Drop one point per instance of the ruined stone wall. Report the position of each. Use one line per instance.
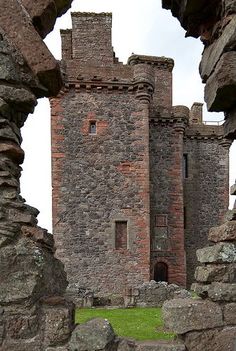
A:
(208, 323)
(214, 22)
(208, 168)
(33, 313)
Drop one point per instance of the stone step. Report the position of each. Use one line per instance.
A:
(159, 346)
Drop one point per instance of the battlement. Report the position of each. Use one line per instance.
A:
(159, 62)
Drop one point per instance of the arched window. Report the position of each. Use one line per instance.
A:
(161, 272)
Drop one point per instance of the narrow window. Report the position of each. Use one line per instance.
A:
(121, 235)
(185, 218)
(93, 127)
(185, 166)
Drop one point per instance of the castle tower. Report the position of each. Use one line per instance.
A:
(118, 146)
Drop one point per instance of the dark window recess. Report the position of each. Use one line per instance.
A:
(93, 127)
(185, 218)
(161, 272)
(185, 165)
(161, 220)
(121, 235)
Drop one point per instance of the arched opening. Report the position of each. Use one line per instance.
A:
(161, 272)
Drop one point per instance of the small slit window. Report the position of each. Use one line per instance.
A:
(121, 234)
(185, 166)
(185, 218)
(93, 127)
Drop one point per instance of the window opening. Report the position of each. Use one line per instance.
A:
(121, 234)
(93, 127)
(185, 165)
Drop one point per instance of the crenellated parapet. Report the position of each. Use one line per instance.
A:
(214, 22)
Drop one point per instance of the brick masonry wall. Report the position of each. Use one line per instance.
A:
(98, 179)
(208, 170)
(166, 198)
(91, 38)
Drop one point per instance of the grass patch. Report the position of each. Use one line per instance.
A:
(137, 323)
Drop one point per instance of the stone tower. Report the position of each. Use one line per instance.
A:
(134, 177)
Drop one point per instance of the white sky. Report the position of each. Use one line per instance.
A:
(140, 27)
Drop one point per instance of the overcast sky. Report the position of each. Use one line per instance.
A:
(140, 27)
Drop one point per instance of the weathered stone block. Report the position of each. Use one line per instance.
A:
(39, 235)
(184, 315)
(216, 291)
(22, 98)
(229, 313)
(229, 7)
(23, 35)
(94, 335)
(225, 232)
(213, 52)
(209, 340)
(160, 346)
(7, 69)
(126, 345)
(211, 273)
(230, 124)
(231, 214)
(233, 189)
(58, 324)
(38, 273)
(220, 88)
(221, 252)
(22, 327)
(32, 344)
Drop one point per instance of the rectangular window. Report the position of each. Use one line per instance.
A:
(161, 220)
(121, 234)
(92, 127)
(185, 166)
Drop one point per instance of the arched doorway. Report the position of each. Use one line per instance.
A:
(161, 272)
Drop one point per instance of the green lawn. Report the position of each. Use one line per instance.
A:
(137, 323)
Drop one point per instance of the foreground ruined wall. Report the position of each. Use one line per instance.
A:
(214, 21)
(209, 323)
(33, 313)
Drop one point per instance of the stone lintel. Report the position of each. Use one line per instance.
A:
(19, 30)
